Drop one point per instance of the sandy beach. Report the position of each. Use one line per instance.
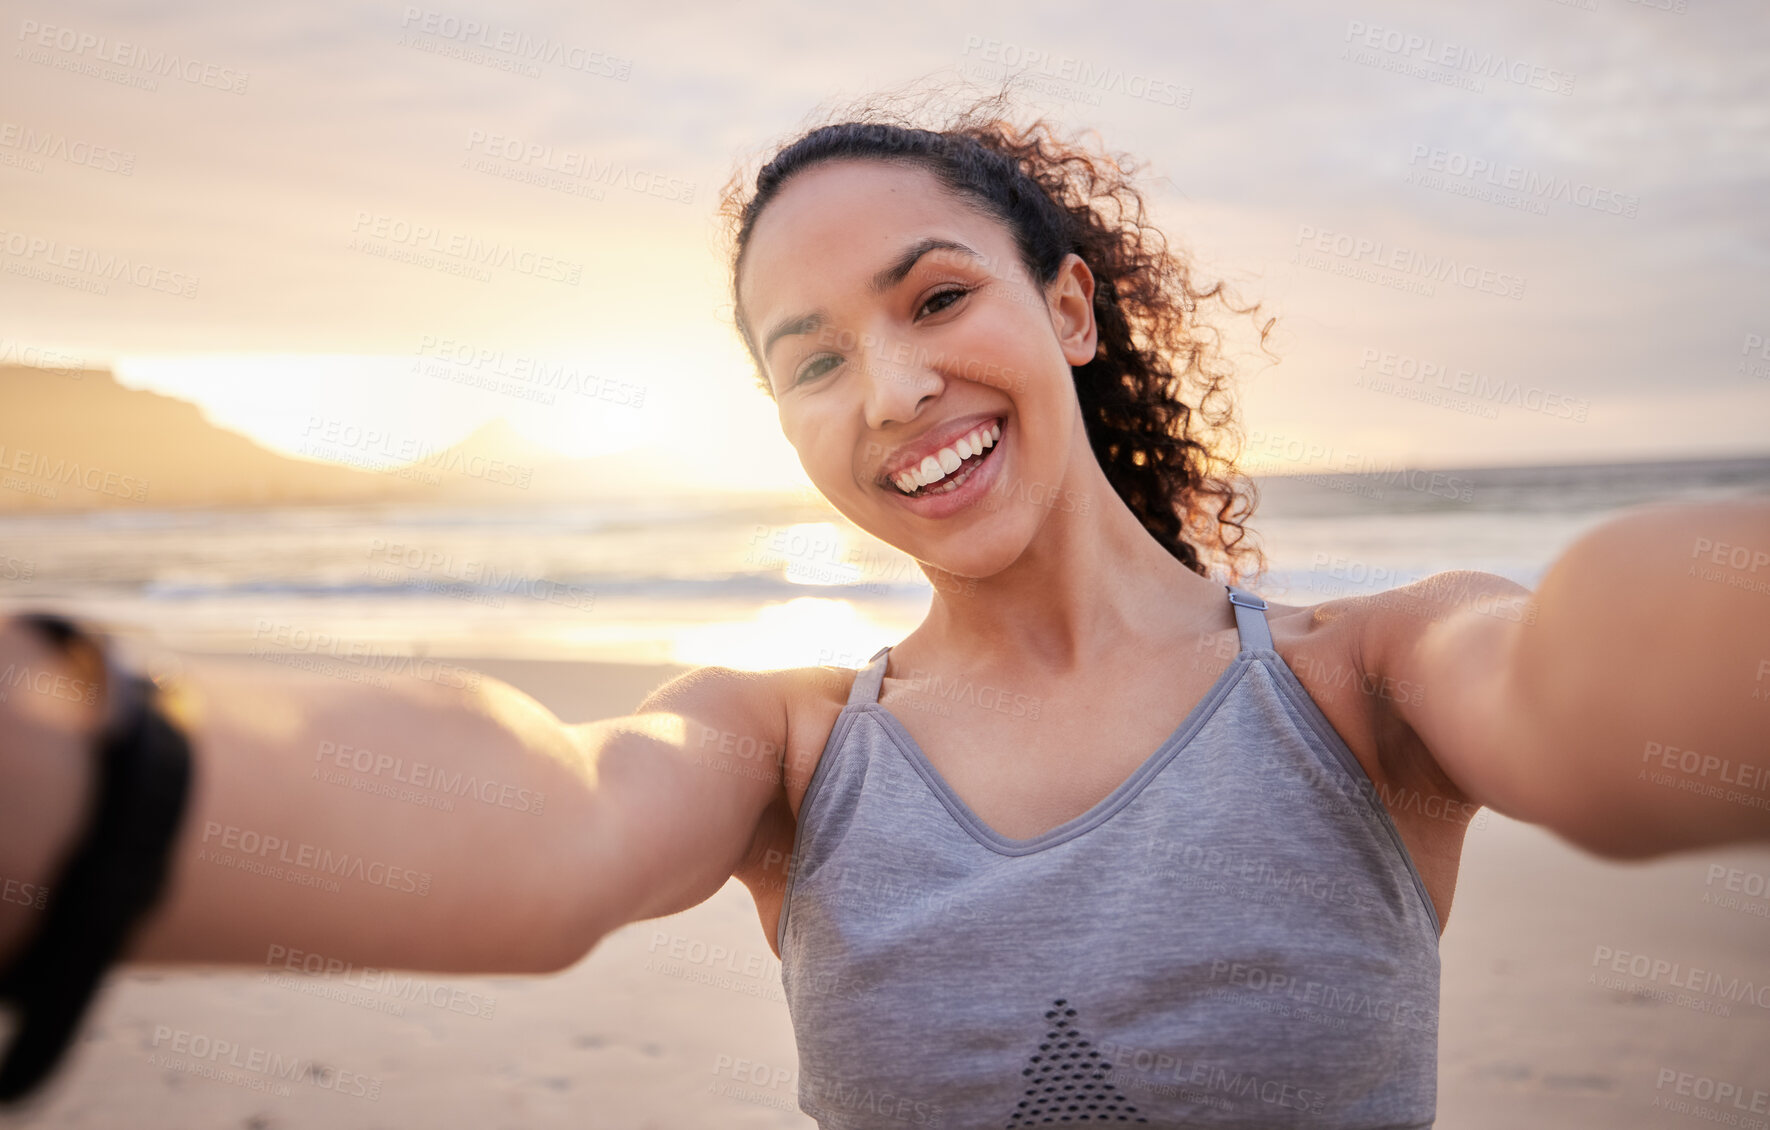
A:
(681, 1022)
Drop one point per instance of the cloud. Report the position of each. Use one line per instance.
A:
(510, 134)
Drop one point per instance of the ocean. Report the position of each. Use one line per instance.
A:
(752, 584)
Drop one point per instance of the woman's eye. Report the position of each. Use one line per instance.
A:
(954, 293)
(810, 371)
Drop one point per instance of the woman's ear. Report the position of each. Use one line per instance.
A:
(1070, 297)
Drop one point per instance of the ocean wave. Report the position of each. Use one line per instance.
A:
(734, 586)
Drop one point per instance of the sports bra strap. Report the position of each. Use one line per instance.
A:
(869, 679)
(1250, 619)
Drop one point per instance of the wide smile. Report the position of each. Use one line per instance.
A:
(967, 480)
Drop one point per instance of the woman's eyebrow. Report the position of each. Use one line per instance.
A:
(883, 280)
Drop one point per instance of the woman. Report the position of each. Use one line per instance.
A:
(1173, 855)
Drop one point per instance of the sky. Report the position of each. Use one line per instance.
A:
(1529, 231)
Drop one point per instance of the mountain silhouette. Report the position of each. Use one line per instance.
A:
(76, 440)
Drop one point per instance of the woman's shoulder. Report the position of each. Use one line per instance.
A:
(809, 700)
(771, 721)
(1322, 644)
(1366, 631)
(1351, 653)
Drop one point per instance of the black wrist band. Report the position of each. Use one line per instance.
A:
(115, 874)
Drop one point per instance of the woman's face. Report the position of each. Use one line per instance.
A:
(886, 351)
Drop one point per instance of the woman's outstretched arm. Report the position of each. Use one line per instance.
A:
(411, 825)
(1625, 705)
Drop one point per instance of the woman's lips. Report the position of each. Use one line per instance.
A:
(963, 488)
(939, 470)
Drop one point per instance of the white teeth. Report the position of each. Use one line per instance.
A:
(945, 461)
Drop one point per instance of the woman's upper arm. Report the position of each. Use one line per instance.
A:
(414, 826)
(682, 785)
(1612, 705)
(1450, 636)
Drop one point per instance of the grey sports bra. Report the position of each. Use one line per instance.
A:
(1235, 936)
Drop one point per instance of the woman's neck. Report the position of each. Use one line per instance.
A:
(1091, 583)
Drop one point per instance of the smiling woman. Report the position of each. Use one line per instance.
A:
(1149, 375)
(1107, 837)
(959, 326)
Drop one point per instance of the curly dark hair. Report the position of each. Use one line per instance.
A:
(1155, 398)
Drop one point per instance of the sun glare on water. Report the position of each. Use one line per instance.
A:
(807, 631)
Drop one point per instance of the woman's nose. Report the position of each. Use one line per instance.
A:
(895, 392)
